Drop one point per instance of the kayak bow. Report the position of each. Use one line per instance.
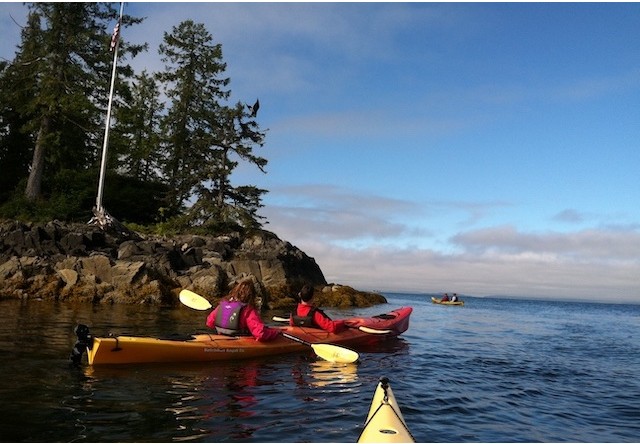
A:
(385, 422)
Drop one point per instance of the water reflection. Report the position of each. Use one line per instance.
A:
(325, 373)
(392, 347)
(199, 399)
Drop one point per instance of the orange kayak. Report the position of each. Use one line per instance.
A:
(213, 347)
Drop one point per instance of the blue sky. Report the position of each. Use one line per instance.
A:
(477, 148)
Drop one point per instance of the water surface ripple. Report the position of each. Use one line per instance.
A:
(495, 370)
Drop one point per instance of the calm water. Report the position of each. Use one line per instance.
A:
(495, 370)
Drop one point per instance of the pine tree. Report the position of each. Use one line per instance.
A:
(206, 139)
(194, 84)
(15, 153)
(218, 201)
(136, 136)
(58, 85)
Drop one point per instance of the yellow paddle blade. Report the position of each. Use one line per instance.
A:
(334, 353)
(194, 300)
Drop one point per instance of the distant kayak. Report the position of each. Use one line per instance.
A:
(385, 422)
(439, 301)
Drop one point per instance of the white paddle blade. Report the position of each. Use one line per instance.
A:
(373, 331)
(333, 353)
(194, 300)
(362, 328)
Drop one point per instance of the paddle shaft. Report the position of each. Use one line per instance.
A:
(362, 328)
(302, 341)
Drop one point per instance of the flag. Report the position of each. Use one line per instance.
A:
(115, 36)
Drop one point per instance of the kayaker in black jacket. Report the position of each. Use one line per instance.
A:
(308, 315)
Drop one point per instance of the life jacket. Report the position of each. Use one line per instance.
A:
(304, 321)
(227, 320)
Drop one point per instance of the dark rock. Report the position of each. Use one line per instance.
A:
(81, 262)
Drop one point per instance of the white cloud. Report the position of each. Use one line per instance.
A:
(588, 246)
(569, 215)
(600, 264)
(417, 270)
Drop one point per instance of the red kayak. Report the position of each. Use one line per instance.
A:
(213, 347)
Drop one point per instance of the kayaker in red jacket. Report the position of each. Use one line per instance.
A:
(236, 315)
(307, 315)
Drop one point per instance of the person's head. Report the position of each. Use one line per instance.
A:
(244, 292)
(306, 293)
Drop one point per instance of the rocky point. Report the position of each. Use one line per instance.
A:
(80, 262)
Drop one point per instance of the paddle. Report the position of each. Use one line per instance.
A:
(362, 328)
(194, 300)
(329, 352)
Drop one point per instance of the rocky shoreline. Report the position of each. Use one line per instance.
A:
(57, 261)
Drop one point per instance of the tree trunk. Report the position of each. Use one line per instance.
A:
(222, 188)
(34, 183)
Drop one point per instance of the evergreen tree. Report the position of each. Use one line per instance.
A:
(57, 85)
(194, 83)
(236, 132)
(205, 139)
(53, 98)
(136, 136)
(15, 152)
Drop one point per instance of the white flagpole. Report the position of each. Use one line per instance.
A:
(99, 210)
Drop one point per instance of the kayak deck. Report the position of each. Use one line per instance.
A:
(385, 422)
(205, 347)
(202, 348)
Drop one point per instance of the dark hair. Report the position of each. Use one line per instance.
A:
(243, 292)
(306, 293)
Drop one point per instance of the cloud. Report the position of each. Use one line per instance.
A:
(332, 214)
(426, 271)
(569, 216)
(587, 246)
(362, 241)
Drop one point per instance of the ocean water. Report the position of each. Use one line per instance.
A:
(495, 370)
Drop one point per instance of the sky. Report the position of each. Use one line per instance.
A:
(478, 148)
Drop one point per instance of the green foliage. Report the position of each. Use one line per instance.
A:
(136, 138)
(194, 84)
(167, 168)
(57, 86)
(131, 199)
(73, 195)
(69, 200)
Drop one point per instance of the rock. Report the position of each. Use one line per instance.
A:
(69, 276)
(80, 262)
